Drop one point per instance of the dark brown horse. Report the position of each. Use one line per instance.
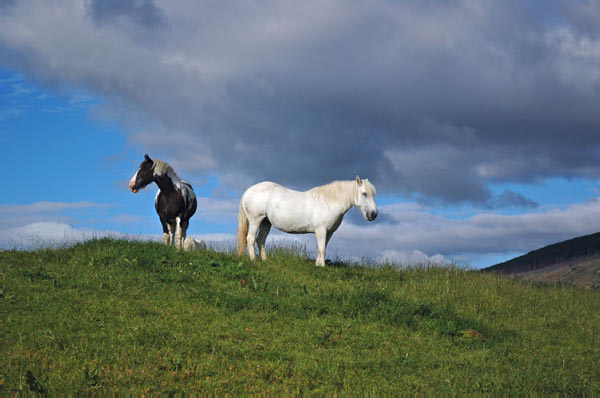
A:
(175, 200)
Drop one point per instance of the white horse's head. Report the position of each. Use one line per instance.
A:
(365, 199)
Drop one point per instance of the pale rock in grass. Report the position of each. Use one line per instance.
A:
(192, 244)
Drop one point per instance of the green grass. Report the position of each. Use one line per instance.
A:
(116, 316)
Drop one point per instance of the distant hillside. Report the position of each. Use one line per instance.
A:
(572, 261)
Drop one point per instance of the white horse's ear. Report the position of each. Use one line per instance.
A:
(358, 180)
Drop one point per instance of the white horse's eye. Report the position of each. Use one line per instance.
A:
(364, 194)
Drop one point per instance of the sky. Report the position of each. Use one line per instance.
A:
(478, 122)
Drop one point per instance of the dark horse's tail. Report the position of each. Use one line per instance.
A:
(242, 232)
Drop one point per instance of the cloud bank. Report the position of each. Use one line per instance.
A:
(407, 235)
(409, 226)
(433, 101)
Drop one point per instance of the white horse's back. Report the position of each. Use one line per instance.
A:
(319, 210)
(256, 199)
(286, 209)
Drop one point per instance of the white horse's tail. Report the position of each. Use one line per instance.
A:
(242, 230)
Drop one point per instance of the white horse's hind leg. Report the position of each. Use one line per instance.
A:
(251, 237)
(263, 232)
(321, 235)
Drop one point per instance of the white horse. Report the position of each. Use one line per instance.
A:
(319, 211)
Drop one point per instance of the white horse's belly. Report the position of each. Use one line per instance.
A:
(289, 223)
(290, 213)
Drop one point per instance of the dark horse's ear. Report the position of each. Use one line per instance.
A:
(147, 158)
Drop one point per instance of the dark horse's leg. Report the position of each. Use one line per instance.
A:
(166, 235)
(168, 231)
(183, 226)
(172, 227)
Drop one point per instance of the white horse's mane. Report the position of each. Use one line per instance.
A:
(342, 191)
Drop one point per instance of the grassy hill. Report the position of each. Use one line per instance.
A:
(109, 315)
(574, 261)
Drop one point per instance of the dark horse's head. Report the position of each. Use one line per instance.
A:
(144, 175)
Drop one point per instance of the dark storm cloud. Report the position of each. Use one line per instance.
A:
(431, 100)
(143, 12)
(5, 4)
(583, 16)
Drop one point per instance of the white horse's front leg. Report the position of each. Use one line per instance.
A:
(321, 235)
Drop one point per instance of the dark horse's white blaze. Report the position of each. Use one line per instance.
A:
(175, 200)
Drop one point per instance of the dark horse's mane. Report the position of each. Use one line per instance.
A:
(162, 168)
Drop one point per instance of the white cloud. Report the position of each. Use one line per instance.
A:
(46, 234)
(410, 258)
(44, 223)
(12, 215)
(408, 234)
(404, 233)
(221, 210)
(412, 229)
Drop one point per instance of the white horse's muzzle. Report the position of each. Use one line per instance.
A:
(371, 215)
